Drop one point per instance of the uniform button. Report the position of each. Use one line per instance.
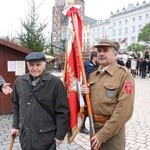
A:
(28, 103)
(27, 128)
(41, 130)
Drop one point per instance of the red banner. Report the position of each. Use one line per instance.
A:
(73, 75)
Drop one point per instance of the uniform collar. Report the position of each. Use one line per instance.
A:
(111, 69)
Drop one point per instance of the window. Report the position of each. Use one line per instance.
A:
(126, 21)
(133, 28)
(133, 39)
(147, 15)
(140, 26)
(114, 32)
(87, 40)
(133, 19)
(140, 17)
(119, 31)
(126, 30)
(87, 33)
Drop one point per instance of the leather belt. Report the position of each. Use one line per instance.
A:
(101, 118)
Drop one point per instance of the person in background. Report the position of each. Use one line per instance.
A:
(128, 63)
(41, 111)
(120, 61)
(112, 90)
(143, 67)
(133, 67)
(149, 67)
(138, 67)
(89, 65)
(5, 87)
(59, 66)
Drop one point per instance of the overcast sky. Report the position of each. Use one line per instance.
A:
(11, 11)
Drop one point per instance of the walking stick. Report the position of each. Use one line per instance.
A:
(12, 142)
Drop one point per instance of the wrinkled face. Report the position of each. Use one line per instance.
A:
(36, 68)
(106, 55)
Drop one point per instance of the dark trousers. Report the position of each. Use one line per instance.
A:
(143, 74)
(85, 116)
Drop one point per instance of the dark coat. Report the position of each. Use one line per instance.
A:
(37, 127)
(89, 67)
(2, 81)
(143, 65)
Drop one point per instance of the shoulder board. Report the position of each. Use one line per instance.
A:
(93, 71)
(124, 68)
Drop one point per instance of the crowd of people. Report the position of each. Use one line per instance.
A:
(137, 66)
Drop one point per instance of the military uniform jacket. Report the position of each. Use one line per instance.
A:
(37, 127)
(112, 94)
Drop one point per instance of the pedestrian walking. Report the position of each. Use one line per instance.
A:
(111, 89)
(41, 111)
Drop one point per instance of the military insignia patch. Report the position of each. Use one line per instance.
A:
(110, 93)
(128, 87)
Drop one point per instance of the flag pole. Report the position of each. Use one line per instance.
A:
(65, 64)
(87, 97)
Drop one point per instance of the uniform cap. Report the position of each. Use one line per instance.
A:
(107, 42)
(35, 56)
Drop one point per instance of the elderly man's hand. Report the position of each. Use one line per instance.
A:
(6, 89)
(58, 142)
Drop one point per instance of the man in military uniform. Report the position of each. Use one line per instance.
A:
(41, 111)
(111, 89)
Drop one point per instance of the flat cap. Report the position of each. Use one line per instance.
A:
(35, 56)
(107, 42)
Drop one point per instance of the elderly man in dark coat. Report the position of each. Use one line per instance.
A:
(41, 112)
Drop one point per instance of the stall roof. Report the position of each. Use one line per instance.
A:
(15, 46)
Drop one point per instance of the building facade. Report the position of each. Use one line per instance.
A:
(123, 25)
(86, 33)
(126, 24)
(100, 30)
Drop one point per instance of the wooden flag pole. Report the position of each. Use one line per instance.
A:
(88, 102)
(12, 142)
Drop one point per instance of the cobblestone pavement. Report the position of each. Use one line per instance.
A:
(137, 129)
